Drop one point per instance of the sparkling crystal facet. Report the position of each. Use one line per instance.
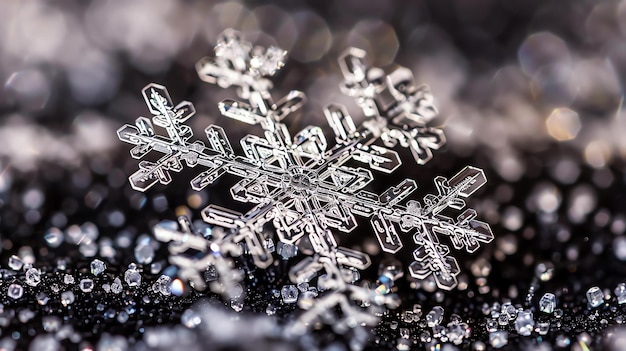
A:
(15, 291)
(97, 267)
(595, 297)
(547, 304)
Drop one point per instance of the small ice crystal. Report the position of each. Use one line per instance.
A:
(97, 267)
(595, 297)
(162, 285)
(289, 294)
(547, 304)
(503, 319)
(286, 251)
(509, 310)
(86, 285)
(116, 287)
(15, 291)
(32, 277)
(132, 277)
(68, 279)
(15, 263)
(236, 305)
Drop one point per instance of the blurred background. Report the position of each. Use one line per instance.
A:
(510, 77)
(529, 90)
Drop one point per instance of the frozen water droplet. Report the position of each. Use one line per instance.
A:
(116, 287)
(236, 305)
(86, 285)
(97, 267)
(210, 274)
(15, 291)
(15, 263)
(595, 297)
(286, 251)
(509, 310)
(503, 319)
(547, 303)
(289, 294)
(68, 279)
(304, 286)
(163, 285)
(132, 277)
(32, 277)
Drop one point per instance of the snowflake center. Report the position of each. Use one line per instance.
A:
(300, 181)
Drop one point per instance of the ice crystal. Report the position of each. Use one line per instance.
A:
(299, 184)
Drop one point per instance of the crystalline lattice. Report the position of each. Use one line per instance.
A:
(300, 184)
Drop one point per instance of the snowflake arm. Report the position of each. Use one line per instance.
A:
(397, 108)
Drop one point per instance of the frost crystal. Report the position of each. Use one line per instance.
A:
(15, 263)
(97, 267)
(86, 285)
(132, 277)
(15, 291)
(305, 188)
(33, 277)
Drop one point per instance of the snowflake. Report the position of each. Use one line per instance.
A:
(305, 188)
(214, 264)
